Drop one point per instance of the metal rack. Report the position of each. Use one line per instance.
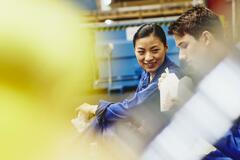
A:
(140, 12)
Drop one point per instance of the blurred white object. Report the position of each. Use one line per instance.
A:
(204, 119)
(168, 86)
(108, 21)
(197, 2)
(87, 108)
(105, 5)
(130, 31)
(86, 114)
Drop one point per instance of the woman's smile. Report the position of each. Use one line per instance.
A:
(150, 64)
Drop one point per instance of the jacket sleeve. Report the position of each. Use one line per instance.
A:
(216, 155)
(228, 147)
(108, 113)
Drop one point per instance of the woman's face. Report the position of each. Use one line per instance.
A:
(150, 53)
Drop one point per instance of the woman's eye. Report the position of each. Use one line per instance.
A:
(155, 51)
(141, 52)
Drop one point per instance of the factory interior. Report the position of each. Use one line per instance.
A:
(70, 67)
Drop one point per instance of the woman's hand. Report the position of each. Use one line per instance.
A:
(86, 114)
(87, 108)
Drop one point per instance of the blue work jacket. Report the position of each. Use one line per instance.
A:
(228, 147)
(108, 112)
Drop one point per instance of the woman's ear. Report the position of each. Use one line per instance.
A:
(206, 38)
(166, 47)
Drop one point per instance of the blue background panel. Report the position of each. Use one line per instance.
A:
(110, 36)
(120, 68)
(121, 49)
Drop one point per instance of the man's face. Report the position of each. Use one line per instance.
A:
(189, 49)
(198, 56)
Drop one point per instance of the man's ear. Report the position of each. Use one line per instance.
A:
(206, 38)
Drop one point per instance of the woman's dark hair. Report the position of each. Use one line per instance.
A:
(150, 29)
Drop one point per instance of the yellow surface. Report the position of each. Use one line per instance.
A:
(44, 68)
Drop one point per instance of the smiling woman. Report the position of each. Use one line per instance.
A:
(150, 49)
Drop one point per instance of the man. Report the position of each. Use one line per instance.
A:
(196, 33)
(206, 112)
(195, 41)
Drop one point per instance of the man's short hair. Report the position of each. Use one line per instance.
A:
(195, 21)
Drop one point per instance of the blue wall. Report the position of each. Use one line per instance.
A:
(87, 4)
